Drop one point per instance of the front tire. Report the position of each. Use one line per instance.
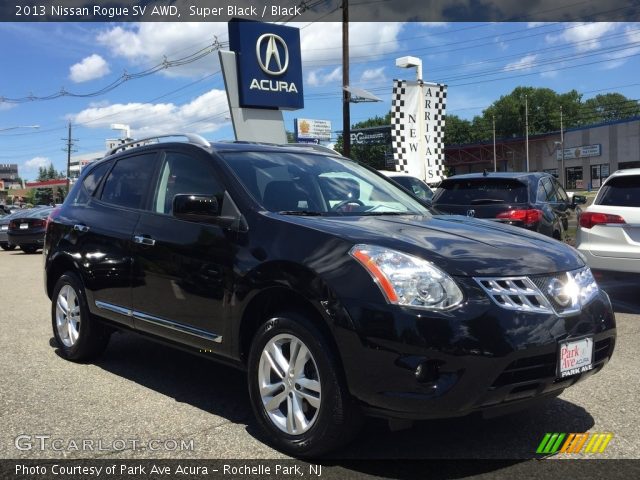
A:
(296, 388)
(78, 334)
(7, 247)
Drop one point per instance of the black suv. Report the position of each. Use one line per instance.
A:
(337, 291)
(535, 201)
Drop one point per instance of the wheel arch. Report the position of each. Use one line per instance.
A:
(56, 267)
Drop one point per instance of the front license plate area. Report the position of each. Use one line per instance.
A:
(575, 357)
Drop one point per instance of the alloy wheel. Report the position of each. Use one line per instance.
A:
(68, 316)
(289, 384)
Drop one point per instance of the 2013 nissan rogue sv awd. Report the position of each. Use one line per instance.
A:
(337, 291)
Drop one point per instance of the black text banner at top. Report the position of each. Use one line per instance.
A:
(319, 10)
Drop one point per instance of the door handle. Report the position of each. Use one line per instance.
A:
(81, 228)
(143, 240)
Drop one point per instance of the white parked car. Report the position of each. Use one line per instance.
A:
(609, 230)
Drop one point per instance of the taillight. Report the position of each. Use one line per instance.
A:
(13, 224)
(589, 219)
(38, 223)
(51, 216)
(528, 217)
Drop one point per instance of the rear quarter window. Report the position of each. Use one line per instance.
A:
(478, 191)
(620, 192)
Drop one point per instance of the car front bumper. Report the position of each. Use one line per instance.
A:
(403, 363)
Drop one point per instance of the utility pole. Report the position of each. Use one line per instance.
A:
(562, 174)
(526, 122)
(346, 96)
(69, 149)
(495, 161)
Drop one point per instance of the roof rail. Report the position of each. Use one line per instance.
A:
(191, 137)
(312, 146)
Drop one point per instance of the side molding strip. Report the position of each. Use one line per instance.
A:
(196, 332)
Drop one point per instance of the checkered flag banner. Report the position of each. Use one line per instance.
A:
(417, 128)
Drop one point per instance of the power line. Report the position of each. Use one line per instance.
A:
(125, 77)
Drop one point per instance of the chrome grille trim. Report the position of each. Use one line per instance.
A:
(515, 293)
(527, 294)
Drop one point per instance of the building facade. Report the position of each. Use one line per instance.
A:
(591, 153)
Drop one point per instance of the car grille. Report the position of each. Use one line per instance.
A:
(562, 293)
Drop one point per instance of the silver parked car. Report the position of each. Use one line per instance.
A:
(609, 230)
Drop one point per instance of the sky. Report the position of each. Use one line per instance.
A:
(480, 62)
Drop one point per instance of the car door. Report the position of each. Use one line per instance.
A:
(102, 232)
(183, 268)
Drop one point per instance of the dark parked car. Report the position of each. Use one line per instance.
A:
(26, 229)
(4, 229)
(337, 291)
(535, 201)
(414, 185)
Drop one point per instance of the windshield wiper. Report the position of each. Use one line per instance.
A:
(369, 214)
(302, 213)
(480, 201)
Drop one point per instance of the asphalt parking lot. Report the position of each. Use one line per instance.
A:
(143, 400)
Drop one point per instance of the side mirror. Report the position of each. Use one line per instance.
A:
(197, 208)
(579, 200)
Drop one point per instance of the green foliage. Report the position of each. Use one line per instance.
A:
(45, 196)
(609, 107)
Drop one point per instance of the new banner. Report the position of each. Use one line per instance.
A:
(417, 128)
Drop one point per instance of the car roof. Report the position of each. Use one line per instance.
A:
(508, 175)
(626, 172)
(390, 173)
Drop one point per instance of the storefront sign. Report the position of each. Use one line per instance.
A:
(580, 152)
(307, 129)
(371, 136)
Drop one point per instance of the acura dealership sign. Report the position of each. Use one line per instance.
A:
(268, 63)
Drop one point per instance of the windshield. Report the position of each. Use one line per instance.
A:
(310, 184)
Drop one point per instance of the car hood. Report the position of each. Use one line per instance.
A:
(459, 245)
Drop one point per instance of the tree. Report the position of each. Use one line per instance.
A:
(372, 155)
(45, 196)
(457, 130)
(608, 107)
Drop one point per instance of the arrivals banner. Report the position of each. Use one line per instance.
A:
(417, 129)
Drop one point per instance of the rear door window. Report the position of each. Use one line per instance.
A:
(621, 192)
(127, 184)
(90, 183)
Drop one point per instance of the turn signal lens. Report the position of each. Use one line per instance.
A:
(407, 280)
(589, 219)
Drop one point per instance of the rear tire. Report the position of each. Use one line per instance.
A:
(29, 250)
(297, 391)
(78, 334)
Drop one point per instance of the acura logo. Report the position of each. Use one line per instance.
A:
(471, 213)
(270, 61)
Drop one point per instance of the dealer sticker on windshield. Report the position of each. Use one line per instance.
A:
(575, 357)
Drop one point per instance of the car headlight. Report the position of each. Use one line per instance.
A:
(407, 280)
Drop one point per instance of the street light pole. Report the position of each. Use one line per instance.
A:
(526, 122)
(495, 161)
(562, 178)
